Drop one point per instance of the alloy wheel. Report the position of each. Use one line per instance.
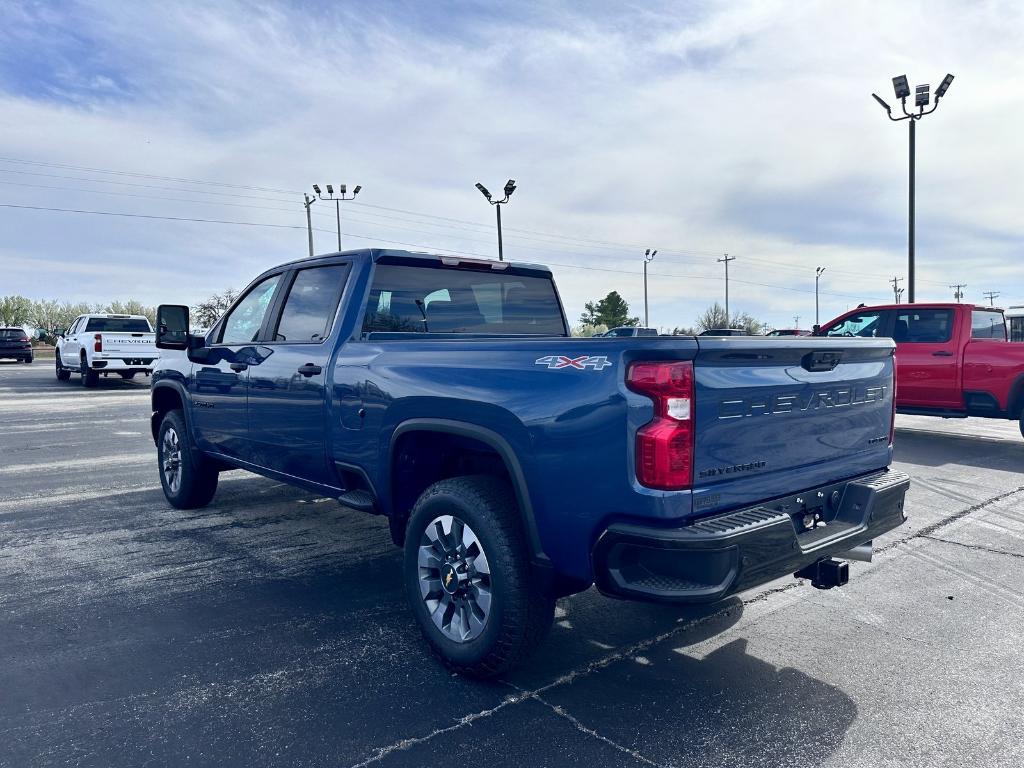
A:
(454, 578)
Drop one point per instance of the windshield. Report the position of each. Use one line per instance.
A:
(118, 325)
(408, 299)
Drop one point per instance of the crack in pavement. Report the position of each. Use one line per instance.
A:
(977, 547)
(526, 695)
(926, 532)
(591, 732)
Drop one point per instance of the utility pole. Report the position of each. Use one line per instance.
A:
(309, 220)
(991, 296)
(796, 322)
(958, 291)
(896, 290)
(648, 258)
(342, 195)
(510, 187)
(817, 277)
(902, 90)
(726, 261)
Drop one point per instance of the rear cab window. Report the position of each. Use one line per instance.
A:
(923, 326)
(118, 325)
(988, 324)
(408, 298)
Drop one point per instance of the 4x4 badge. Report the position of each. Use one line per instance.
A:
(582, 363)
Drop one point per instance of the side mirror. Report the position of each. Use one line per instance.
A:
(816, 331)
(172, 326)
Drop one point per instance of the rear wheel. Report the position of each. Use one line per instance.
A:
(1022, 423)
(28, 361)
(89, 377)
(468, 577)
(189, 478)
(63, 374)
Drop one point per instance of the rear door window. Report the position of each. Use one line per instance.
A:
(867, 324)
(986, 324)
(312, 302)
(923, 326)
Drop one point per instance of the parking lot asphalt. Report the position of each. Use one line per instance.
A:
(271, 629)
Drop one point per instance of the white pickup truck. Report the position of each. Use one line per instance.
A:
(104, 344)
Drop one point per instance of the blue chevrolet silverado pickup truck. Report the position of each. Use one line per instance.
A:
(515, 464)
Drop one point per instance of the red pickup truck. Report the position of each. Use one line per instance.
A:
(952, 360)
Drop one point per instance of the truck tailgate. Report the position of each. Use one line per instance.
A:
(774, 417)
(130, 344)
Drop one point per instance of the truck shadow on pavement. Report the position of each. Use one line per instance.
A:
(935, 449)
(224, 636)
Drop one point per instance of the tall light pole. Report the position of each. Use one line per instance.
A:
(726, 261)
(902, 89)
(648, 258)
(817, 277)
(510, 187)
(342, 196)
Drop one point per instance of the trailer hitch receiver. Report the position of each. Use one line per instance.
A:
(825, 574)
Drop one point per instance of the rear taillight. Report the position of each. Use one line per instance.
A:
(892, 415)
(23, 339)
(664, 446)
(98, 346)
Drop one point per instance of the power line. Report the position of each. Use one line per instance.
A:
(397, 242)
(577, 242)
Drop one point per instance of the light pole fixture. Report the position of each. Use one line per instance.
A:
(902, 89)
(510, 187)
(338, 199)
(648, 258)
(817, 277)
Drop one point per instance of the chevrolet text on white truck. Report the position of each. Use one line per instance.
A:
(104, 344)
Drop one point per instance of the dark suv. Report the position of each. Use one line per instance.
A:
(14, 343)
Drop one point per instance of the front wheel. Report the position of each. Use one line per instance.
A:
(468, 577)
(189, 478)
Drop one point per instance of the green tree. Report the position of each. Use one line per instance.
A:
(612, 311)
(209, 311)
(15, 310)
(715, 317)
(131, 307)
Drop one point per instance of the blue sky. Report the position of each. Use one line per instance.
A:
(694, 128)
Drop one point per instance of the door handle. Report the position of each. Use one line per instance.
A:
(942, 354)
(309, 369)
(239, 367)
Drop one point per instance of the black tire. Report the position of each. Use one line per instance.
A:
(63, 374)
(1022, 423)
(28, 361)
(128, 376)
(197, 475)
(89, 377)
(518, 615)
